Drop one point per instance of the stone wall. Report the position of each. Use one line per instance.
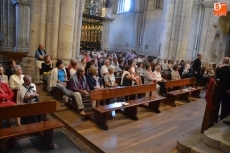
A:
(122, 34)
(153, 28)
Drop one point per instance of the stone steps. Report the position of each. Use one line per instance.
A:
(214, 140)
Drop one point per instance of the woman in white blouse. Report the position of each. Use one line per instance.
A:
(175, 74)
(16, 80)
(110, 80)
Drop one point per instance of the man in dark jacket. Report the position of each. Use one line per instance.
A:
(223, 74)
(197, 67)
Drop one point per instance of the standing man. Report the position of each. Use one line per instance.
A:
(223, 74)
(39, 56)
(130, 55)
(197, 67)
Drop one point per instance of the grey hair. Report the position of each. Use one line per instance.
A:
(16, 68)
(79, 70)
(27, 77)
(110, 68)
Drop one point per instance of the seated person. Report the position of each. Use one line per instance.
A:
(4, 77)
(74, 65)
(127, 79)
(47, 67)
(58, 79)
(16, 80)
(6, 94)
(175, 74)
(27, 93)
(70, 65)
(149, 78)
(109, 79)
(79, 86)
(93, 79)
(133, 72)
(116, 66)
(140, 71)
(104, 68)
(82, 63)
(159, 80)
(87, 67)
(9, 71)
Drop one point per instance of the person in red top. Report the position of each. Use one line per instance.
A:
(6, 94)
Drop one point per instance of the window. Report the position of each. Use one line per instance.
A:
(123, 6)
(159, 4)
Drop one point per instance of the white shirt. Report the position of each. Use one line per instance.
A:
(157, 75)
(72, 71)
(104, 69)
(164, 66)
(117, 68)
(22, 91)
(139, 60)
(110, 79)
(15, 82)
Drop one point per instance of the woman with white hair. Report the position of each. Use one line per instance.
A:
(110, 80)
(16, 80)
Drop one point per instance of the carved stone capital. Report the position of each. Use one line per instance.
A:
(208, 4)
(18, 2)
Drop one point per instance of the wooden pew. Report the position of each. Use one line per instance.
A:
(130, 110)
(23, 110)
(17, 56)
(183, 94)
(166, 76)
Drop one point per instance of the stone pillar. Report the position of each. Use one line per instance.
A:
(52, 28)
(184, 31)
(5, 21)
(77, 28)
(66, 29)
(11, 26)
(105, 35)
(78, 41)
(169, 11)
(205, 26)
(22, 24)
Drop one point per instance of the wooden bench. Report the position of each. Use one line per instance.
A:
(166, 76)
(17, 56)
(23, 110)
(181, 93)
(130, 110)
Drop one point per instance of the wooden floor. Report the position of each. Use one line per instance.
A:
(152, 133)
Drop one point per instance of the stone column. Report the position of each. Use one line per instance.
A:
(78, 41)
(169, 10)
(66, 29)
(22, 25)
(52, 28)
(37, 23)
(184, 31)
(11, 26)
(77, 28)
(205, 26)
(5, 21)
(105, 35)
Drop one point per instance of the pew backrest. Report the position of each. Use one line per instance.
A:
(181, 82)
(121, 91)
(23, 110)
(166, 76)
(13, 55)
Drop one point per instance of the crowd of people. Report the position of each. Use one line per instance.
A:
(87, 72)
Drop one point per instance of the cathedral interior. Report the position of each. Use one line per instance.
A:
(156, 30)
